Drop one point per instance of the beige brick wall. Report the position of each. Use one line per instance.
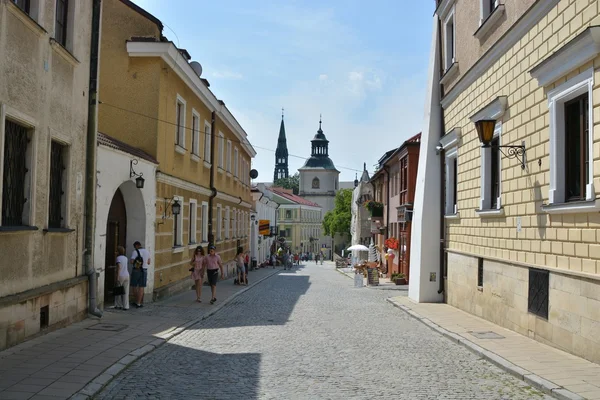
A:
(560, 241)
(573, 322)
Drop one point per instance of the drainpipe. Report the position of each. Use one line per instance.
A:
(213, 190)
(90, 166)
(443, 258)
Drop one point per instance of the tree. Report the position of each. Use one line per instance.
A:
(291, 182)
(339, 219)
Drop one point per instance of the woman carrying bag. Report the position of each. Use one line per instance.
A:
(197, 270)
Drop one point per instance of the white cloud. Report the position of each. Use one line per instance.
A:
(227, 75)
(323, 77)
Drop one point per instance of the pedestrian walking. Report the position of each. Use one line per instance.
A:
(140, 258)
(212, 263)
(239, 262)
(197, 264)
(316, 258)
(122, 299)
(247, 264)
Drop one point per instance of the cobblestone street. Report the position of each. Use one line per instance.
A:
(309, 334)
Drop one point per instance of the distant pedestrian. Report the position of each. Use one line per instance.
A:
(316, 258)
(297, 258)
(122, 301)
(140, 258)
(197, 264)
(239, 262)
(247, 264)
(212, 263)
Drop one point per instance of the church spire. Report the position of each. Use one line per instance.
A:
(281, 154)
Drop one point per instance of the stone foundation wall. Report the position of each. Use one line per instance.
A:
(20, 314)
(573, 323)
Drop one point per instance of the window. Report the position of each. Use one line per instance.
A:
(62, 13)
(490, 173)
(229, 156)
(576, 152)
(180, 119)
(24, 5)
(57, 189)
(221, 151)
(479, 272)
(449, 41)
(404, 180)
(178, 225)
(315, 183)
(195, 133)
(227, 222)
(16, 177)
(487, 7)
(571, 149)
(204, 222)
(288, 214)
(236, 158)
(207, 141)
(235, 216)
(219, 223)
(192, 222)
(539, 288)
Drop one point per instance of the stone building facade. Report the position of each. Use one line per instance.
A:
(44, 97)
(155, 99)
(265, 222)
(520, 230)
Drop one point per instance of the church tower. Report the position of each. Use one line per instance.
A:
(281, 154)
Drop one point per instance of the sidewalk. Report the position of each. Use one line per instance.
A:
(558, 373)
(384, 283)
(80, 359)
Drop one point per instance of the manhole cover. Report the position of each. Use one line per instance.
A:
(486, 335)
(107, 327)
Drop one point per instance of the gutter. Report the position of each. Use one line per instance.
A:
(442, 249)
(213, 190)
(90, 165)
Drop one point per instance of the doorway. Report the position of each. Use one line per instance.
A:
(116, 235)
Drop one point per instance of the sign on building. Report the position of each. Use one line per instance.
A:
(264, 227)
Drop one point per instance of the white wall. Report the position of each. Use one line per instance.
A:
(113, 173)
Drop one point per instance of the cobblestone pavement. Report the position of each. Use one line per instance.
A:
(310, 334)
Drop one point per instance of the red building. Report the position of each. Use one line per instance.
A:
(394, 183)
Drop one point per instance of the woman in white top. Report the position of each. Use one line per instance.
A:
(122, 302)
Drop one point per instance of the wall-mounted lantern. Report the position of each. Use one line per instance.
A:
(175, 208)
(139, 181)
(485, 131)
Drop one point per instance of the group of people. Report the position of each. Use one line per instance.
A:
(201, 264)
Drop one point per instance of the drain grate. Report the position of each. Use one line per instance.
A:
(107, 327)
(486, 335)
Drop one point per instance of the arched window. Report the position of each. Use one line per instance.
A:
(315, 183)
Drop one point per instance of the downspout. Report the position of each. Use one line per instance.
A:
(90, 165)
(442, 185)
(213, 190)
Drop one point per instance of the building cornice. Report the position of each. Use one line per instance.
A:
(451, 139)
(161, 177)
(583, 48)
(494, 110)
(535, 14)
(233, 199)
(169, 53)
(444, 8)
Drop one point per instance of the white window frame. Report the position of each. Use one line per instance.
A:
(450, 144)
(221, 162)
(227, 222)
(180, 124)
(449, 59)
(557, 98)
(236, 162)
(65, 203)
(235, 218)
(178, 235)
(485, 10)
(195, 135)
(485, 203)
(71, 12)
(193, 222)
(207, 141)
(229, 156)
(204, 222)
(219, 223)
(7, 112)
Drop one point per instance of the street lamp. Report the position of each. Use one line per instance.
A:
(139, 181)
(485, 131)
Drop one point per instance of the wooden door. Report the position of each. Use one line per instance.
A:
(116, 229)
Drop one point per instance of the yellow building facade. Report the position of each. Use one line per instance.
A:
(522, 231)
(152, 97)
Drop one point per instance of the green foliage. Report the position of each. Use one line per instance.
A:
(339, 219)
(291, 182)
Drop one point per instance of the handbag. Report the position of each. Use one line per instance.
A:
(119, 290)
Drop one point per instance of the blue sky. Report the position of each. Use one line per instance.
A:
(363, 65)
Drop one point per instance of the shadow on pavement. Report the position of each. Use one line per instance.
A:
(191, 374)
(270, 303)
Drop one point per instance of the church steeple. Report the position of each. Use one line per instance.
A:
(281, 154)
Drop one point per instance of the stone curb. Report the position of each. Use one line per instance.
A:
(99, 382)
(534, 380)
